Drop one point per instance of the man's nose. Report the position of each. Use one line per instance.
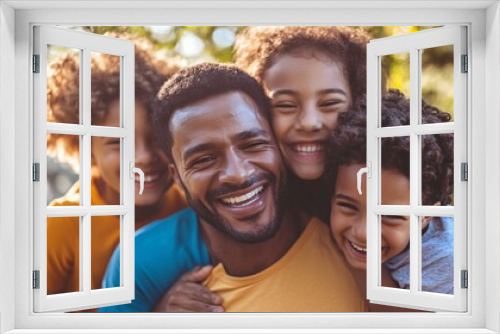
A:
(309, 119)
(236, 169)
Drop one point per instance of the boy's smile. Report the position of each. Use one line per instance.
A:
(148, 156)
(348, 217)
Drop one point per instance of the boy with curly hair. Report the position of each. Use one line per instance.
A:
(348, 216)
(161, 196)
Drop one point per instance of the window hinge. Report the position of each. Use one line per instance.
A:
(465, 279)
(464, 172)
(36, 63)
(36, 279)
(465, 64)
(36, 172)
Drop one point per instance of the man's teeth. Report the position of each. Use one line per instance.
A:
(148, 178)
(310, 148)
(356, 247)
(244, 197)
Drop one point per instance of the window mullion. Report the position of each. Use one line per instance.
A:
(85, 185)
(414, 168)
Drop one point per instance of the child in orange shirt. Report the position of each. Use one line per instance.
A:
(161, 197)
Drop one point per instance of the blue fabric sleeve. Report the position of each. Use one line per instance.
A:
(437, 260)
(164, 250)
(112, 279)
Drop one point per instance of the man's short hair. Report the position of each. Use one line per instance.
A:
(348, 145)
(196, 83)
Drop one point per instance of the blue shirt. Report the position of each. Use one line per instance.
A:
(437, 259)
(164, 250)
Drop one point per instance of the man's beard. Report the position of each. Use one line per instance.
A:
(212, 217)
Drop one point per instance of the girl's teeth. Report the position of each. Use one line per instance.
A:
(308, 148)
(244, 197)
(356, 247)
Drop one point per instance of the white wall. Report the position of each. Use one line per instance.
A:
(492, 150)
(7, 159)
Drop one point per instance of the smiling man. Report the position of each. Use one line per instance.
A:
(213, 122)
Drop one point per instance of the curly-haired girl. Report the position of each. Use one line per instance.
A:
(312, 74)
(161, 196)
(348, 217)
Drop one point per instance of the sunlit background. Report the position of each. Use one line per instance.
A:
(195, 44)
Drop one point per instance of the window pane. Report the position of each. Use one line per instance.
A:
(396, 74)
(437, 169)
(63, 84)
(63, 255)
(437, 254)
(395, 171)
(395, 251)
(63, 169)
(105, 90)
(105, 238)
(106, 176)
(437, 80)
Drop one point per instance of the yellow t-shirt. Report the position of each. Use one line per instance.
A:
(63, 258)
(311, 277)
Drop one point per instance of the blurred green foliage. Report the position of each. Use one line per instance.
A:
(195, 44)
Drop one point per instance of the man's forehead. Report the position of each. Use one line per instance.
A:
(224, 112)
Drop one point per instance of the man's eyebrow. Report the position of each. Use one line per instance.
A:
(195, 149)
(251, 134)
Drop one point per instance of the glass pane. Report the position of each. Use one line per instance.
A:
(437, 254)
(395, 251)
(395, 171)
(63, 169)
(437, 169)
(437, 81)
(63, 85)
(396, 75)
(106, 176)
(105, 238)
(105, 90)
(63, 255)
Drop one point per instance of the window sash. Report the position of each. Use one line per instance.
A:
(413, 43)
(85, 42)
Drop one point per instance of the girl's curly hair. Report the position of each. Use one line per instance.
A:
(257, 48)
(63, 90)
(348, 145)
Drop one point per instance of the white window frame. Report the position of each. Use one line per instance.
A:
(86, 43)
(414, 43)
(483, 20)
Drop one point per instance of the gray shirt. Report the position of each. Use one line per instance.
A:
(437, 259)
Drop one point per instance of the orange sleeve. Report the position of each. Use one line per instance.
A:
(62, 254)
(175, 200)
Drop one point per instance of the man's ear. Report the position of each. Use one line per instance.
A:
(175, 175)
(427, 219)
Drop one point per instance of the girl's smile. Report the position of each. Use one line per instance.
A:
(308, 91)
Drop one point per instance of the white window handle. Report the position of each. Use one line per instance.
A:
(368, 172)
(133, 170)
